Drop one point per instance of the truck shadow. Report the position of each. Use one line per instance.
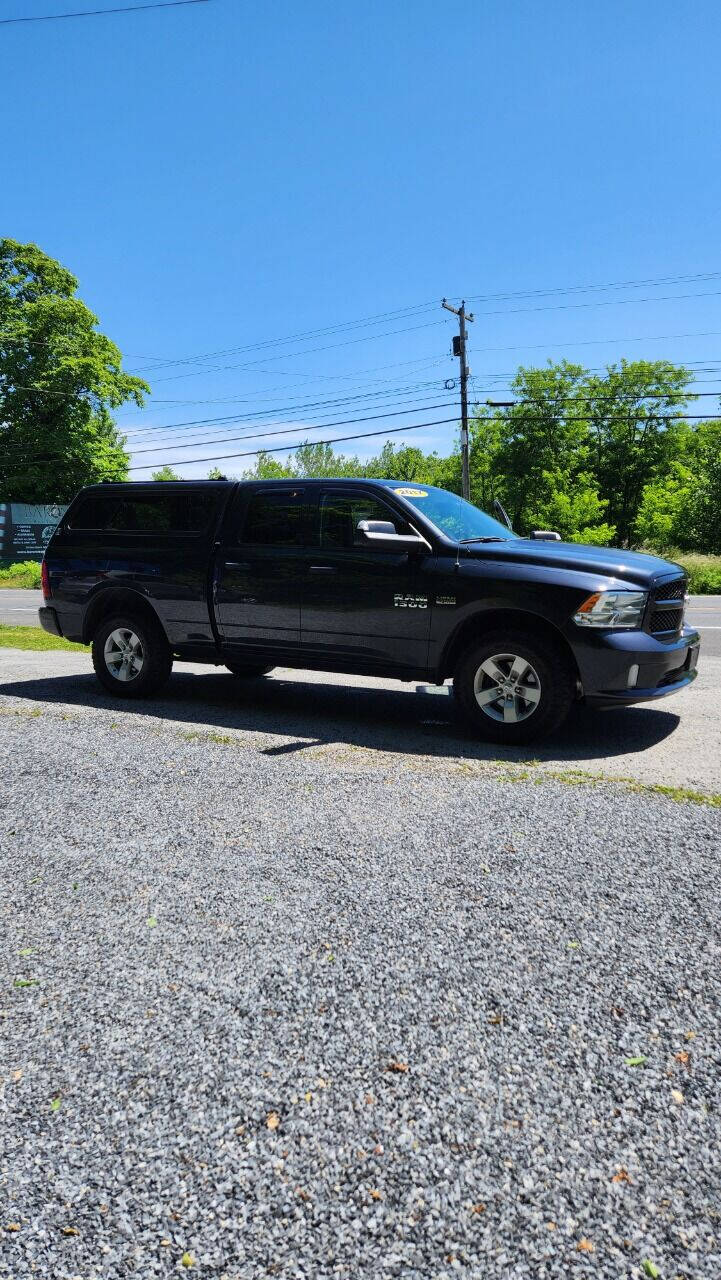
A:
(304, 713)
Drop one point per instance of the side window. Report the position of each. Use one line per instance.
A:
(92, 512)
(340, 513)
(274, 518)
(171, 513)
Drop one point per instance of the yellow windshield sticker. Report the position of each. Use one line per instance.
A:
(411, 493)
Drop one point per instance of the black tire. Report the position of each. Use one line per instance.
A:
(547, 679)
(153, 652)
(247, 670)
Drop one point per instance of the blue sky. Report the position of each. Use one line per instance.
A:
(222, 174)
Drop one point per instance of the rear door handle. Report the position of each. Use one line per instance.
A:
(236, 564)
(322, 568)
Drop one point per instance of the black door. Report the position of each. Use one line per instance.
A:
(260, 572)
(363, 602)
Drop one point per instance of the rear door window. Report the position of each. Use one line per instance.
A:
(274, 518)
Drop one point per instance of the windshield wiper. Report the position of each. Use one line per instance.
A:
(490, 539)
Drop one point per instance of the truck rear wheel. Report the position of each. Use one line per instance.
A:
(514, 688)
(131, 656)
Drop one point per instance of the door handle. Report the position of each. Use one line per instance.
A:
(236, 564)
(322, 568)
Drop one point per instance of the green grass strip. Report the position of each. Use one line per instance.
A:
(35, 638)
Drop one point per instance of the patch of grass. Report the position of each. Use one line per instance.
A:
(35, 638)
(680, 795)
(224, 739)
(25, 573)
(501, 771)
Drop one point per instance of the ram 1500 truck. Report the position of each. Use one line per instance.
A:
(375, 577)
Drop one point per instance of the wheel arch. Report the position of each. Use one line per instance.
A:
(479, 624)
(113, 600)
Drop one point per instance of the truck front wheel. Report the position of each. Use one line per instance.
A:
(131, 656)
(514, 688)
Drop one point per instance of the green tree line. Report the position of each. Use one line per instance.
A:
(612, 458)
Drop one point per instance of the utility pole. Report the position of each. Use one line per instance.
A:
(459, 349)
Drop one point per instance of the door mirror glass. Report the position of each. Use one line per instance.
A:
(377, 526)
(383, 532)
(545, 535)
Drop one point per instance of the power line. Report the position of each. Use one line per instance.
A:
(287, 448)
(259, 435)
(654, 281)
(230, 419)
(420, 307)
(308, 426)
(291, 355)
(212, 438)
(97, 13)
(363, 435)
(400, 312)
(593, 342)
(417, 426)
(607, 302)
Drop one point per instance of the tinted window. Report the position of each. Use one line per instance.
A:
(340, 513)
(166, 513)
(452, 515)
(274, 518)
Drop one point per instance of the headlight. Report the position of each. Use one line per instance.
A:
(612, 609)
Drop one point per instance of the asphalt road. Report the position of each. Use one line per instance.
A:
(299, 981)
(19, 608)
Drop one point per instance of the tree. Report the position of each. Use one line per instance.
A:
(321, 460)
(635, 417)
(59, 381)
(165, 473)
(700, 519)
(536, 456)
(578, 450)
(267, 468)
(662, 520)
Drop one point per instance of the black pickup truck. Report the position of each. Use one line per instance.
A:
(375, 577)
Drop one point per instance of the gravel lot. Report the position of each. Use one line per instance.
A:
(316, 1004)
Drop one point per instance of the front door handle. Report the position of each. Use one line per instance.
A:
(322, 568)
(236, 564)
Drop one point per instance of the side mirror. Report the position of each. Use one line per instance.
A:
(545, 535)
(383, 533)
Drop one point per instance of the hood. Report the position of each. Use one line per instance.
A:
(611, 562)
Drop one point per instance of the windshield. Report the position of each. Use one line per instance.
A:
(451, 514)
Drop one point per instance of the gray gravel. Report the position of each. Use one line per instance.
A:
(378, 1030)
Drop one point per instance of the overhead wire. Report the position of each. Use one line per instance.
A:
(99, 13)
(288, 448)
(289, 429)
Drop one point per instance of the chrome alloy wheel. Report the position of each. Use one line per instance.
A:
(123, 654)
(507, 688)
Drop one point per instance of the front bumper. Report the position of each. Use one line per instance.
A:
(606, 661)
(49, 621)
